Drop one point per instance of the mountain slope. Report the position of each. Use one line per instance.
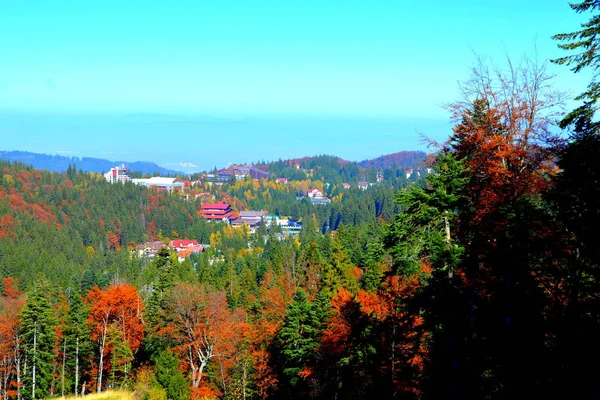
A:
(401, 159)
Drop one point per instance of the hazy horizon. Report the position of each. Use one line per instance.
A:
(193, 144)
(211, 84)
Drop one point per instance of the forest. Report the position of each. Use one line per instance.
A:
(477, 280)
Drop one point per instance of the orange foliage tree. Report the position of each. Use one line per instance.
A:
(115, 318)
(205, 331)
(275, 295)
(11, 303)
(375, 331)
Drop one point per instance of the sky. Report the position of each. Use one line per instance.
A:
(273, 79)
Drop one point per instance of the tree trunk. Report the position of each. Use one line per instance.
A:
(34, 360)
(101, 361)
(76, 364)
(447, 228)
(62, 379)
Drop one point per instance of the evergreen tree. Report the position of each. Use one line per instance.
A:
(77, 344)
(169, 377)
(339, 272)
(576, 200)
(38, 337)
(298, 339)
(157, 304)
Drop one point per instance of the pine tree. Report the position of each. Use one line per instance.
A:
(77, 343)
(585, 44)
(298, 339)
(157, 304)
(339, 272)
(576, 200)
(168, 376)
(38, 342)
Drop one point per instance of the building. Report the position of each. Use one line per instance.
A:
(288, 225)
(346, 185)
(220, 212)
(149, 249)
(251, 218)
(317, 197)
(315, 194)
(363, 185)
(179, 244)
(281, 180)
(117, 174)
(241, 172)
(160, 183)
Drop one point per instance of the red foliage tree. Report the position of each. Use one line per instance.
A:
(11, 303)
(117, 311)
(204, 329)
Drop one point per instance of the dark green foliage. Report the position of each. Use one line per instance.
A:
(298, 340)
(575, 199)
(584, 43)
(77, 344)
(425, 229)
(339, 271)
(38, 337)
(169, 377)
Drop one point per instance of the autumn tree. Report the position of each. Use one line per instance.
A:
(204, 330)
(11, 357)
(115, 319)
(503, 138)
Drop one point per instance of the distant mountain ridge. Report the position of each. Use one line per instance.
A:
(401, 159)
(58, 163)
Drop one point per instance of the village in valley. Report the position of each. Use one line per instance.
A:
(223, 212)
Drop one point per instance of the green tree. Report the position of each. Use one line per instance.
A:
(339, 272)
(584, 43)
(78, 347)
(424, 230)
(169, 377)
(298, 339)
(576, 200)
(38, 337)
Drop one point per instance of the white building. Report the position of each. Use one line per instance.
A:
(117, 174)
(160, 183)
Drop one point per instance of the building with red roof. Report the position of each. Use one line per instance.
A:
(218, 212)
(183, 244)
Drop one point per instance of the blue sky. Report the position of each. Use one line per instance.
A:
(281, 60)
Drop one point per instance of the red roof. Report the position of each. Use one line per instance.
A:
(184, 243)
(231, 215)
(184, 253)
(215, 206)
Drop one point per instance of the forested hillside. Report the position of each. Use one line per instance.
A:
(402, 159)
(479, 280)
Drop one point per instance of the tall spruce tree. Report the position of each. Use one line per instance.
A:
(38, 343)
(298, 340)
(77, 344)
(576, 198)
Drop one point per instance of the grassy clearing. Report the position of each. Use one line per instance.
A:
(108, 395)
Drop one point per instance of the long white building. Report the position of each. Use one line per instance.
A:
(160, 183)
